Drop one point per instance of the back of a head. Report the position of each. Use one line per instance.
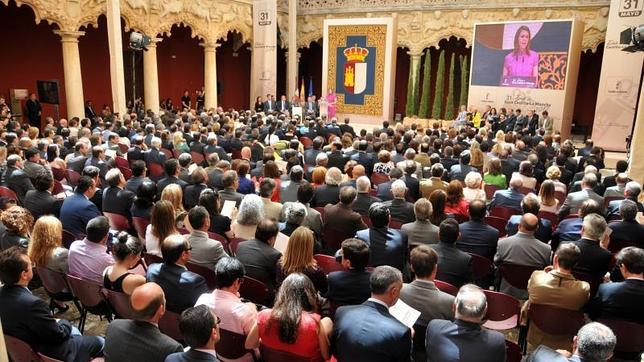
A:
(13, 262)
(589, 206)
(423, 209)
(423, 260)
(228, 178)
(173, 247)
(266, 187)
(266, 230)
(398, 189)
(530, 204)
(227, 271)
(589, 180)
(470, 303)
(43, 181)
(595, 342)
(516, 182)
(125, 246)
(294, 213)
(633, 189)
(363, 184)
(146, 300)
(594, 227)
(357, 252)
(448, 231)
(628, 210)
(97, 229)
(477, 210)
(196, 325)
(383, 278)
(297, 173)
(568, 255)
(379, 215)
(305, 193)
(529, 223)
(198, 216)
(632, 258)
(347, 195)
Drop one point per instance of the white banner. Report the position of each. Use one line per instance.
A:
(264, 63)
(619, 80)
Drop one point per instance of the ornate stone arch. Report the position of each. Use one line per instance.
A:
(42, 10)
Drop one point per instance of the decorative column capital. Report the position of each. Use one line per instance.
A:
(69, 36)
(153, 42)
(415, 55)
(210, 45)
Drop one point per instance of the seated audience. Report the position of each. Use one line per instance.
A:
(351, 286)
(399, 208)
(16, 178)
(258, 255)
(230, 182)
(595, 259)
(632, 192)
(573, 201)
(288, 189)
(618, 190)
(473, 187)
(77, 210)
(383, 190)
(272, 210)
(88, 258)
(464, 339)
(127, 254)
(421, 231)
(340, 216)
(438, 198)
(569, 229)
(46, 246)
(475, 236)
(174, 194)
(205, 251)
(364, 198)
(172, 172)
(593, 342)
(530, 205)
(367, 332)
(454, 266)
(298, 258)
(329, 193)
(456, 203)
(144, 200)
(388, 246)
(181, 286)
(219, 224)
(251, 213)
(435, 182)
(138, 176)
(28, 318)
(547, 197)
(162, 225)
(628, 229)
(17, 222)
(526, 175)
(495, 176)
(140, 339)
(116, 199)
(510, 198)
(193, 191)
(422, 294)
(41, 201)
(200, 330)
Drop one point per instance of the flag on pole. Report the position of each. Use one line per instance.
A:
(302, 92)
(310, 86)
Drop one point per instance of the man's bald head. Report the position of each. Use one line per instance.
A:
(146, 301)
(358, 170)
(516, 182)
(529, 223)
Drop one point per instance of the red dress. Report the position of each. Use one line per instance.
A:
(306, 344)
(461, 208)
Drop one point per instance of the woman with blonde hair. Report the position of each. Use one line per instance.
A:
(174, 194)
(476, 155)
(179, 143)
(162, 225)
(298, 258)
(500, 138)
(547, 197)
(18, 222)
(473, 187)
(553, 174)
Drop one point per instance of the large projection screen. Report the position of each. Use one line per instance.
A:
(527, 65)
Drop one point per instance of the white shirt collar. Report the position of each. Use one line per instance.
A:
(378, 301)
(209, 351)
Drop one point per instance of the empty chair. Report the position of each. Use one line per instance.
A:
(120, 303)
(503, 212)
(231, 345)
(497, 223)
(56, 285)
(206, 273)
(630, 343)
(555, 321)
(517, 275)
(140, 224)
(255, 291)
(91, 298)
(117, 222)
(502, 311)
(169, 325)
(446, 287)
(328, 264)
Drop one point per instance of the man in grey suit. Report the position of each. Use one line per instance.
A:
(364, 199)
(618, 190)
(422, 294)
(522, 249)
(574, 200)
(205, 251)
(230, 182)
(288, 189)
(421, 231)
(33, 163)
(140, 339)
(593, 342)
(399, 207)
(16, 179)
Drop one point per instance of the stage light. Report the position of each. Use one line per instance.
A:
(139, 41)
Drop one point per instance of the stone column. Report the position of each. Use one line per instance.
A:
(251, 102)
(117, 73)
(291, 72)
(636, 166)
(72, 73)
(210, 74)
(151, 77)
(412, 85)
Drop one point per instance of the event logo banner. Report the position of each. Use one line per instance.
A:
(356, 66)
(264, 48)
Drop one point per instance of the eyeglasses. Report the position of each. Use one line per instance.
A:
(188, 248)
(217, 320)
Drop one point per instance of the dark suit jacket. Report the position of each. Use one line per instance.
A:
(458, 171)
(345, 128)
(167, 181)
(337, 159)
(27, 317)
(325, 194)
(365, 160)
(621, 300)
(17, 180)
(401, 210)
(546, 354)
(232, 195)
(135, 153)
(543, 233)
(453, 265)
(367, 333)
(631, 231)
(259, 259)
(413, 188)
(594, 259)
(191, 195)
(362, 203)
(349, 286)
(567, 230)
(154, 156)
(41, 203)
(509, 198)
(191, 356)
(182, 287)
(310, 155)
(383, 191)
(508, 166)
(130, 340)
(118, 201)
(388, 246)
(448, 341)
(612, 211)
(76, 212)
(342, 218)
(77, 163)
(134, 182)
(478, 238)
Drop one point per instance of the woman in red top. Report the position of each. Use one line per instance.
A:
(293, 325)
(456, 203)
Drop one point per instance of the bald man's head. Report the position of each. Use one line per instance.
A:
(529, 223)
(358, 170)
(245, 152)
(146, 300)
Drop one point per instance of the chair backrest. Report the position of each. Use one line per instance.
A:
(255, 291)
(377, 178)
(234, 243)
(7, 192)
(396, 224)
(525, 190)
(169, 325)
(498, 223)
(552, 217)
(140, 224)
(206, 273)
(155, 169)
(629, 335)
(231, 345)
(53, 281)
(490, 190)
(126, 171)
(608, 199)
(517, 275)
(554, 320)
(333, 238)
(152, 259)
(561, 196)
(44, 358)
(176, 153)
(168, 154)
(58, 173)
(502, 311)
(72, 177)
(117, 222)
(88, 292)
(327, 263)
(593, 280)
(503, 212)
(446, 287)
(274, 355)
(460, 218)
(58, 187)
(69, 238)
(120, 303)
(512, 352)
(19, 350)
(121, 162)
(616, 245)
(481, 267)
(197, 158)
(306, 142)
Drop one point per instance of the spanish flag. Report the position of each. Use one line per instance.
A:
(302, 94)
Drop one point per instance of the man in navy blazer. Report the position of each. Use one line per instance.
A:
(383, 190)
(200, 331)
(570, 229)
(28, 318)
(593, 342)
(530, 205)
(476, 236)
(388, 246)
(464, 339)
(182, 287)
(628, 229)
(363, 158)
(351, 286)
(454, 266)
(77, 210)
(632, 191)
(368, 332)
(510, 198)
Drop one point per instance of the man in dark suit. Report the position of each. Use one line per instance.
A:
(16, 179)
(336, 157)
(399, 208)
(594, 259)
(172, 170)
(89, 110)
(192, 192)
(154, 155)
(632, 191)
(530, 205)
(363, 158)
(258, 255)
(476, 236)
(136, 152)
(33, 110)
(311, 154)
(413, 185)
(329, 193)
(458, 172)
(116, 199)
(345, 128)
(140, 339)
(283, 106)
(367, 332)
(200, 330)
(575, 199)
(585, 151)
(454, 266)
(230, 183)
(269, 105)
(464, 339)
(311, 107)
(340, 216)
(76, 161)
(40, 201)
(570, 229)
(212, 147)
(288, 189)
(364, 198)
(181, 286)
(388, 246)
(620, 167)
(622, 300)
(28, 318)
(628, 230)
(383, 190)
(510, 198)
(351, 286)
(77, 210)
(138, 176)
(593, 342)
(448, 159)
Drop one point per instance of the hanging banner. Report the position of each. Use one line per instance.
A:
(264, 63)
(619, 80)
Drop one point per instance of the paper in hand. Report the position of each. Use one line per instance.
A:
(404, 313)
(227, 209)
